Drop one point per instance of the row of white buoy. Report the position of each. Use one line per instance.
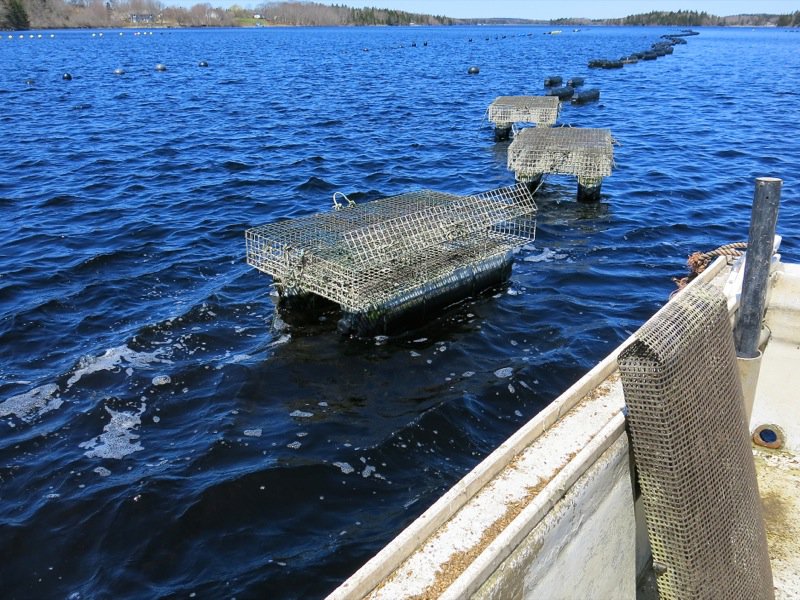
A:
(30, 36)
(39, 36)
(123, 33)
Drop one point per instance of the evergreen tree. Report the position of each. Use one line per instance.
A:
(16, 16)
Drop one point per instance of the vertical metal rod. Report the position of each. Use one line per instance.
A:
(756, 269)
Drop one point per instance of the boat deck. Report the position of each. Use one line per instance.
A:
(557, 498)
(777, 403)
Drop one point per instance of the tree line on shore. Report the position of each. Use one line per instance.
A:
(43, 14)
(691, 18)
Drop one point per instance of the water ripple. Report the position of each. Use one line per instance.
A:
(157, 413)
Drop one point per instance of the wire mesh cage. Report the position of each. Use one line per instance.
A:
(542, 110)
(384, 254)
(586, 153)
(692, 450)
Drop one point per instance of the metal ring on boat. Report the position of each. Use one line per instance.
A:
(768, 436)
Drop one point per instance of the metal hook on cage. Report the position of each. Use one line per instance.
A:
(338, 205)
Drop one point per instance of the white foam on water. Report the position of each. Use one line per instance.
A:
(504, 373)
(346, 468)
(253, 432)
(161, 380)
(237, 358)
(33, 403)
(117, 439)
(411, 502)
(294, 445)
(511, 389)
(114, 358)
(102, 471)
(283, 339)
(468, 373)
(546, 255)
(301, 414)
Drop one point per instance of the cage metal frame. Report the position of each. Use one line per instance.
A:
(585, 153)
(378, 255)
(541, 110)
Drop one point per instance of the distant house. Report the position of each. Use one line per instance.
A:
(256, 16)
(143, 18)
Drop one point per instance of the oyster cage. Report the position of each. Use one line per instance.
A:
(586, 153)
(542, 110)
(380, 259)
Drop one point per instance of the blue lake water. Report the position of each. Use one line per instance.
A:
(160, 438)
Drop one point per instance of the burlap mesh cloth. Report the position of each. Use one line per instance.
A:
(693, 456)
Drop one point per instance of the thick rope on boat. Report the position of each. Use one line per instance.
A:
(699, 261)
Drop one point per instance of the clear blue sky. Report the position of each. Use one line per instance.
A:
(553, 9)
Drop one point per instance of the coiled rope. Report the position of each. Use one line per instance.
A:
(699, 261)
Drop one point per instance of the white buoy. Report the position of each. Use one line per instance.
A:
(161, 67)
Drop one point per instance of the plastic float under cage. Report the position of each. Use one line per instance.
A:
(507, 110)
(389, 259)
(588, 154)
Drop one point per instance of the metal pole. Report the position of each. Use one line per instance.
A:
(756, 269)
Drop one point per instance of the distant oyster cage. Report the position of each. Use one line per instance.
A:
(656, 50)
(542, 110)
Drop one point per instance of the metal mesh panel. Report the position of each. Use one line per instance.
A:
(585, 153)
(693, 455)
(433, 225)
(542, 110)
(373, 255)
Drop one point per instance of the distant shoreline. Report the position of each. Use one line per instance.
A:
(24, 15)
(160, 26)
